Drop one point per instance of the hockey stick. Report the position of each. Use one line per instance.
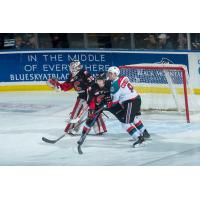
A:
(106, 115)
(82, 138)
(52, 141)
(78, 121)
(56, 140)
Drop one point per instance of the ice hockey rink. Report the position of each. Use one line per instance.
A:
(26, 117)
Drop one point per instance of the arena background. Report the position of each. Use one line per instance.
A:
(28, 60)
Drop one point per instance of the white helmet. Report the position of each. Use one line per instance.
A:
(114, 70)
(75, 67)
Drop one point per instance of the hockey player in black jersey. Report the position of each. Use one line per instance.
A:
(99, 94)
(81, 80)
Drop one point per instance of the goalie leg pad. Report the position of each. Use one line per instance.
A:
(99, 126)
(76, 110)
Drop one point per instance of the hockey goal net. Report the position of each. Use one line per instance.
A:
(163, 87)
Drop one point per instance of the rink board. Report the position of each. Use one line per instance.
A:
(32, 87)
(23, 70)
(12, 88)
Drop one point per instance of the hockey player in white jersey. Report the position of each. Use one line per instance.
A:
(125, 105)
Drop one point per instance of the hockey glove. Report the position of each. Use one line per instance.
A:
(109, 104)
(53, 83)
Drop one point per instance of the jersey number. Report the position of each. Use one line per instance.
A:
(128, 84)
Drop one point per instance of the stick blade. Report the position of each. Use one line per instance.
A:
(48, 141)
(79, 149)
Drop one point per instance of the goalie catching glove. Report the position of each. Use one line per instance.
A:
(53, 83)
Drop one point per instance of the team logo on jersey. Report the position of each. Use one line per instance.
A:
(100, 98)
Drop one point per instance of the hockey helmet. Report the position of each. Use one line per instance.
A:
(114, 70)
(101, 76)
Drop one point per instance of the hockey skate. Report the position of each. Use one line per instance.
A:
(146, 135)
(139, 142)
(71, 133)
(101, 133)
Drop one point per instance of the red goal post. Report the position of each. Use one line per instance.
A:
(161, 67)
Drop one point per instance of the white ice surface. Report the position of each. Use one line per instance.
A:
(25, 117)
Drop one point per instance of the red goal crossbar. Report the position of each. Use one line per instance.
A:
(172, 68)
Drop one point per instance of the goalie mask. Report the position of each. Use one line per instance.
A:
(75, 67)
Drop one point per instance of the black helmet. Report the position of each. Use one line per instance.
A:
(101, 76)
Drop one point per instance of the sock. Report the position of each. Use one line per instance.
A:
(86, 130)
(133, 131)
(139, 125)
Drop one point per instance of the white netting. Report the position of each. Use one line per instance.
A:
(160, 86)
